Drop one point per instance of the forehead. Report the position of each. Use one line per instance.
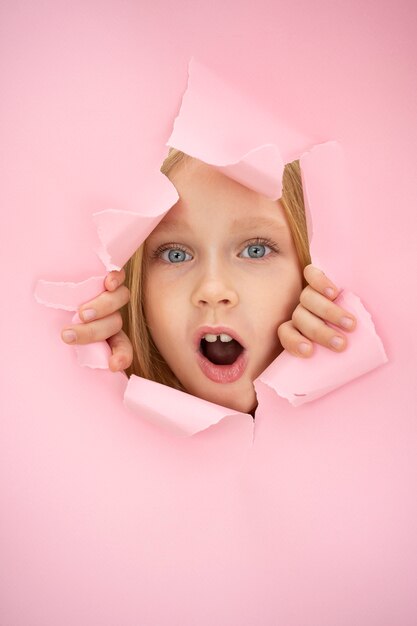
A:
(208, 196)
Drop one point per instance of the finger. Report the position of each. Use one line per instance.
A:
(329, 311)
(320, 282)
(122, 352)
(105, 304)
(99, 330)
(294, 341)
(315, 329)
(114, 279)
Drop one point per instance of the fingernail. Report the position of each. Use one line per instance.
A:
(304, 348)
(89, 314)
(329, 292)
(347, 322)
(337, 342)
(69, 336)
(113, 283)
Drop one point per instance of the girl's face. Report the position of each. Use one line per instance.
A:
(222, 275)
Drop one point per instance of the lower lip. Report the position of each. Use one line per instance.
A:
(223, 373)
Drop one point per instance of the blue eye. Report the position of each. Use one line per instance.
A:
(256, 251)
(175, 255)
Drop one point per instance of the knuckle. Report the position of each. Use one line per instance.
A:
(320, 333)
(283, 331)
(311, 272)
(118, 322)
(125, 294)
(329, 311)
(305, 296)
(112, 281)
(128, 351)
(89, 333)
(307, 271)
(316, 334)
(296, 314)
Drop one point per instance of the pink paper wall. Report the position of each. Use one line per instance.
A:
(106, 519)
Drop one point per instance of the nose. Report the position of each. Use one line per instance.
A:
(213, 291)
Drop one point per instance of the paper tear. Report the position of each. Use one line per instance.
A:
(69, 297)
(122, 232)
(66, 295)
(247, 151)
(260, 169)
(303, 380)
(179, 412)
(252, 151)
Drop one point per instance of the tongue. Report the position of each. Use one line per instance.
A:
(221, 353)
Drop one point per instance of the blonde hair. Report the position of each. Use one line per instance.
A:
(147, 360)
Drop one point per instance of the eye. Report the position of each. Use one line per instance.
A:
(256, 251)
(175, 255)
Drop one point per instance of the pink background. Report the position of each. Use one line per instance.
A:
(106, 519)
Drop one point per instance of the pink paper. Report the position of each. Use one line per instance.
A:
(237, 152)
(180, 413)
(302, 380)
(122, 232)
(328, 208)
(108, 520)
(228, 133)
(220, 125)
(68, 296)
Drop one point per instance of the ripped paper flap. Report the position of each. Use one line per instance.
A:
(122, 232)
(302, 380)
(179, 412)
(221, 127)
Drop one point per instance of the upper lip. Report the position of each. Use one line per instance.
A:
(216, 330)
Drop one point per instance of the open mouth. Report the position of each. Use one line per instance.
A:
(223, 350)
(221, 357)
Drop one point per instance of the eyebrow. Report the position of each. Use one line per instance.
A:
(257, 222)
(237, 224)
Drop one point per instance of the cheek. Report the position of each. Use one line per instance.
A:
(280, 295)
(163, 311)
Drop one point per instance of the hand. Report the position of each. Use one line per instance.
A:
(308, 320)
(103, 321)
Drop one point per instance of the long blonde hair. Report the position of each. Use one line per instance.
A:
(147, 360)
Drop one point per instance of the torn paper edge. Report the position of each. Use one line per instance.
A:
(46, 292)
(107, 259)
(300, 397)
(197, 414)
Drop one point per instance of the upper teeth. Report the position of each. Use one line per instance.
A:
(213, 338)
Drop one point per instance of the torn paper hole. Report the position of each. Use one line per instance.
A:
(251, 149)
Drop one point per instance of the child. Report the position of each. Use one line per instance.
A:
(213, 287)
